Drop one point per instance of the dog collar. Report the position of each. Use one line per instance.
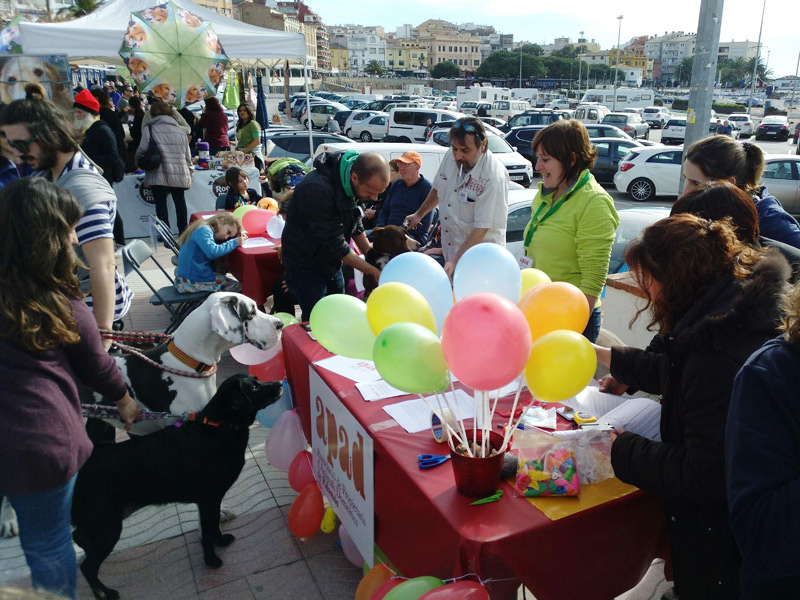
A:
(193, 364)
(201, 419)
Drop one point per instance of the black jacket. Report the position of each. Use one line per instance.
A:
(100, 145)
(111, 118)
(320, 221)
(695, 374)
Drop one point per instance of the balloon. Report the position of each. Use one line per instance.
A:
(487, 268)
(285, 440)
(561, 364)
(409, 357)
(385, 588)
(239, 212)
(268, 416)
(328, 521)
(552, 306)
(286, 318)
(272, 370)
(269, 204)
(339, 322)
(275, 227)
(532, 278)
(460, 590)
(300, 472)
(398, 303)
(247, 354)
(412, 589)
(425, 275)
(305, 514)
(377, 575)
(485, 341)
(349, 547)
(255, 221)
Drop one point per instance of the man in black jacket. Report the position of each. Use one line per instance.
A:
(322, 218)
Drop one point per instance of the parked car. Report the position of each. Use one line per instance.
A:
(355, 117)
(773, 127)
(319, 114)
(675, 131)
(446, 105)
(743, 122)
(604, 130)
(648, 172)
(796, 133)
(409, 124)
(782, 178)
(499, 123)
(610, 151)
(294, 144)
(373, 128)
(299, 105)
(341, 117)
(591, 112)
(630, 123)
(656, 116)
(533, 117)
(521, 139)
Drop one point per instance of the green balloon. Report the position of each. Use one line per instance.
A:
(414, 588)
(286, 318)
(339, 322)
(239, 212)
(409, 357)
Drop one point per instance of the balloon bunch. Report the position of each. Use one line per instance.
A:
(257, 221)
(381, 583)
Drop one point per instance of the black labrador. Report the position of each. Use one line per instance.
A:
(196, 463)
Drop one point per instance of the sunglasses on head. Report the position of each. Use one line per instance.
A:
(21, 146)
(467, 127)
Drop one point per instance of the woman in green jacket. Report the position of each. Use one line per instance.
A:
(248, 135)
(573, 218)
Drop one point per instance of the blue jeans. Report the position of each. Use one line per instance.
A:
(593, 326)
(46, 538)
(309, 287)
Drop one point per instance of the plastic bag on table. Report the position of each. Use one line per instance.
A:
(547, 465)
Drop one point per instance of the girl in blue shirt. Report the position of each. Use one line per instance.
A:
(202, 244)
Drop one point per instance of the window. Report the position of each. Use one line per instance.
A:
(592, 114)
(403, 117)
(602, 148)
(778, 170)
(476, 62)
(623, 150)
(517, 220)
(666, 158)
(380, 120)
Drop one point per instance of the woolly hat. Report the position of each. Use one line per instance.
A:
(87, 102)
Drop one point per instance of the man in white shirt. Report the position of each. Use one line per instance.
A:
(471, 189)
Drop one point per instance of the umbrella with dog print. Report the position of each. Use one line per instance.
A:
(173, 54)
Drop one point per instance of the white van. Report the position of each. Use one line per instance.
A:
(505, 109)
(591, 113)
(431, 154)
(408, 124)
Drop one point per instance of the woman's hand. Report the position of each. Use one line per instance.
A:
(370, 213)
(603, 355)
(615, 433)
(128, 410)
(611, 386)
(242, 237)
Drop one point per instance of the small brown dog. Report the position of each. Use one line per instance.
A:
(387, 242)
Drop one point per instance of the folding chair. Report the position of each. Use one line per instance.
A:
(159, 228)
(179, 305)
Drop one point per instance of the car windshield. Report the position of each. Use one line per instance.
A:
(676, 123)
(615, 119)
(498, 145)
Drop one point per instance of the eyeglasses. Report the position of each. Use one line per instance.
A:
(22, 146)
(468, 127)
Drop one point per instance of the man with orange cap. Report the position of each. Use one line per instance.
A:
(406, 195)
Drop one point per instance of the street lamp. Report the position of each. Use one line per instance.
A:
(616, 66)
(755, 62)
(580, 64)
(520, 65)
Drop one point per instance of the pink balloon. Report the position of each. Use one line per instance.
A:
(486, 341)
(255, 221)
(349, 547)
(460, 590)
(247, 354)
(300, 472)
(284, 440)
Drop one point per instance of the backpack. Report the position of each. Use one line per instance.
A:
(151, 159)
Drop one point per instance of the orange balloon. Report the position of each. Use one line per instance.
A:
(553, 306)
(306, 512)
(268, 203)
(372, 581)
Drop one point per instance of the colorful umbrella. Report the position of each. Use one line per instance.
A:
(173, 53)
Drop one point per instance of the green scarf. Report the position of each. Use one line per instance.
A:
(345, 168)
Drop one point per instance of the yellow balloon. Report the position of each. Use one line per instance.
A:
(532, 277)
(560, 365)
(398, 303)
(328, 521)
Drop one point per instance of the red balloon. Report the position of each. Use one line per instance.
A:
(460, 590)
(306, 512)
(374, 578)
(272, 370)
(254, 222)
(300, 472)
(385, 588)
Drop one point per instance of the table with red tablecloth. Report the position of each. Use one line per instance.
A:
(257, 269)
(425, 527)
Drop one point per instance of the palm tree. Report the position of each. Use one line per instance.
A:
(79, 8)
(762, 72)
(373, 68)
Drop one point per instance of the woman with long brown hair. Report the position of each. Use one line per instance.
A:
(714, 300)
(248, 134)
(48, 340)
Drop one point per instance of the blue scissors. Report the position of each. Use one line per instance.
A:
(428, 461)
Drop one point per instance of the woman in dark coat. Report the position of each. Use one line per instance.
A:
(715, 300)
(109, 115)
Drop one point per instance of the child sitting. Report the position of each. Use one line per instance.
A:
(239, 194)
(203, 242)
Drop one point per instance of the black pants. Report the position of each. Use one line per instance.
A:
(160, 196)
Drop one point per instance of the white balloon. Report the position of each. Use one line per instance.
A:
(247, 354)
(275, 227)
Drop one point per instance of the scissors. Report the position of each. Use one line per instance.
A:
(429, 461)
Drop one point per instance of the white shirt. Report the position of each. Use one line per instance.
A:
(476, 200)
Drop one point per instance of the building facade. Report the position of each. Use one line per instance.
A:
(363, 46)
(443, 42)
(223, 7)
(405, 58)
(627, 59)
(263, 16)
(340, 62)
(315, 29)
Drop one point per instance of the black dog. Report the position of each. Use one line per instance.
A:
(195, 463)
(387, 242)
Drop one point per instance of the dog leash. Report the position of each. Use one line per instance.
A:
(106, 411)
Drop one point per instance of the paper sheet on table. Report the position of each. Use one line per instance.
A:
(415, 415)
(209, 216)
(378, 390)
(257, 242)
(358, 278)
(637, 415)
(536, 416)
(352, 368)
(592, 401)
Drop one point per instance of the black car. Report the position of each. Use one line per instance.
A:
(532, 117)
(609, 152)
(521, 139)
(294, 144)
(341, 117)
(773, 127)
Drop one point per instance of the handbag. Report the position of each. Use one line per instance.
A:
(151, 159)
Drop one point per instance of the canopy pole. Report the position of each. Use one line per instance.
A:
(308, 112)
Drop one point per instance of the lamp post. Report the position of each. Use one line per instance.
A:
(755, 62)
(580, 65)
(520, 65)
(616, 66)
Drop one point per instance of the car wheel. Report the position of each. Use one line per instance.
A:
(404, 140)
(305, 124)
(366, 136)
(641, 190)
(347, 133)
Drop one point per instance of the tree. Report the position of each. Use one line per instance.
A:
(763, 72)
(685, 68)
(80, 8)
(373, 68)
(445, 69)
(559, 67)
(532, 49)
(568, 51)
(506, 65)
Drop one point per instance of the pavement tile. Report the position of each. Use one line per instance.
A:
(336, 576)
(235, 590)
(148, 525)
(291, 581)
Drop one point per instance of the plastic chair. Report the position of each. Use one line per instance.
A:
(179, 305)
(160, 229)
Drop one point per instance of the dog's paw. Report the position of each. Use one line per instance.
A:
(226, 513)
(9, 527)
(213, 561)
(224, 540)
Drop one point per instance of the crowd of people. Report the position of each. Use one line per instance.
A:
(716, 276)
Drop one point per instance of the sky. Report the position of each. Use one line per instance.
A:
(541, 22)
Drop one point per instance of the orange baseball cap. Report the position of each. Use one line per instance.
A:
(410, 157)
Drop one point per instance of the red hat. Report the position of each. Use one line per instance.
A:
(86, 101)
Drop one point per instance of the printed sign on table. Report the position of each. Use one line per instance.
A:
(343, 464)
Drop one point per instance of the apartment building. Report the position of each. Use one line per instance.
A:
(628, 60)
(263, 16)
(444, 42)
(312, 21)
(405, 58)
(363, 44)
(340, 59)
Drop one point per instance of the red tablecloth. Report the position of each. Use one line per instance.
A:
(426, 527)
(256, 268)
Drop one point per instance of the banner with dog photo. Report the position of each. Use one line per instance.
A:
(173, 54)
(51, 71)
